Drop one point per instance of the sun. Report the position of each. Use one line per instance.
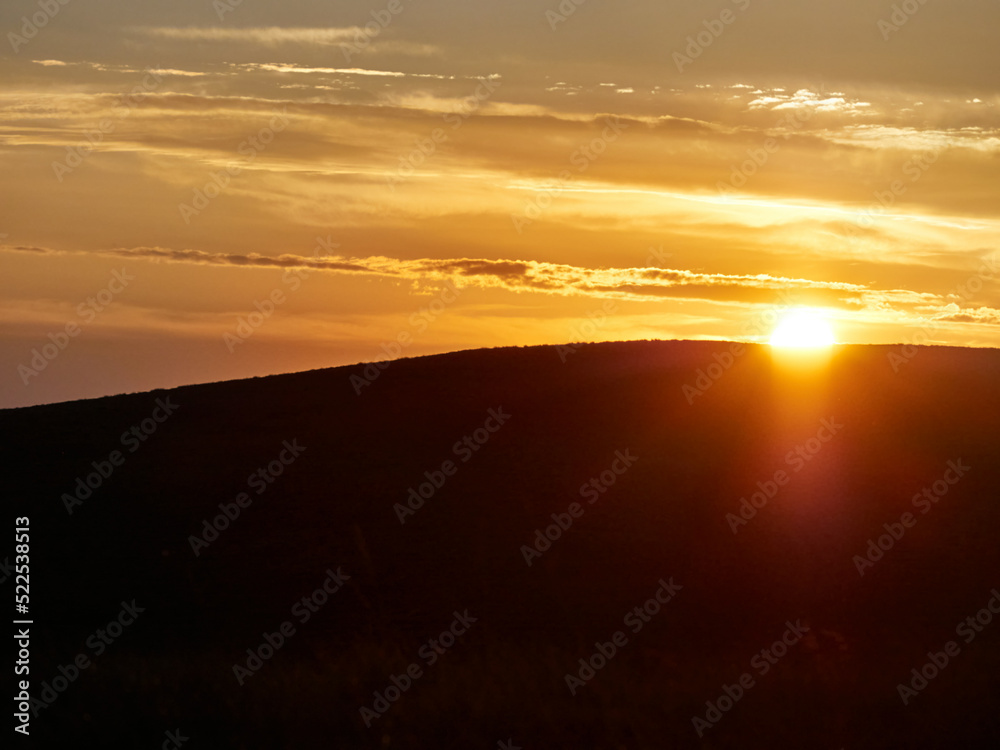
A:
(802, 329)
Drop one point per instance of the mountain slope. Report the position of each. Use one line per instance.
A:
(513, 436)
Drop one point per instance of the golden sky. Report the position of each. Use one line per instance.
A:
(462, 174)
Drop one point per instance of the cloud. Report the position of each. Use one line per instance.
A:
(176, 72)
(200, 257)
(280, 68)
(538, 276)
(290, 68)
(268, 35)
(981, 315)
(834, 102)
(30, 249)
(919, 139)
(636, 284)
(273, 36)
(108, 68)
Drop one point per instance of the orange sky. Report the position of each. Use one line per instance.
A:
(466, 174)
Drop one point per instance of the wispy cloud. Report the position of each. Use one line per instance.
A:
(107, 68)
(268, 35)
(273, 36)
(301, 69)
(637, 283)
(249, 260)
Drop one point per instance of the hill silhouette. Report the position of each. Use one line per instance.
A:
(733, 500)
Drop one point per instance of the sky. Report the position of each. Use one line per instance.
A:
(194, 191)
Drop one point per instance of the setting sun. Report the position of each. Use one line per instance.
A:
(802, 329)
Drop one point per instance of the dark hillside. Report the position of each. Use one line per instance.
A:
(868, 439)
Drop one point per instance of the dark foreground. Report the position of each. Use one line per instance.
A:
(331, 607)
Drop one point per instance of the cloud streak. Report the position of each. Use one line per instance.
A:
(637, 284)
(268, 35)
(274, 36)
